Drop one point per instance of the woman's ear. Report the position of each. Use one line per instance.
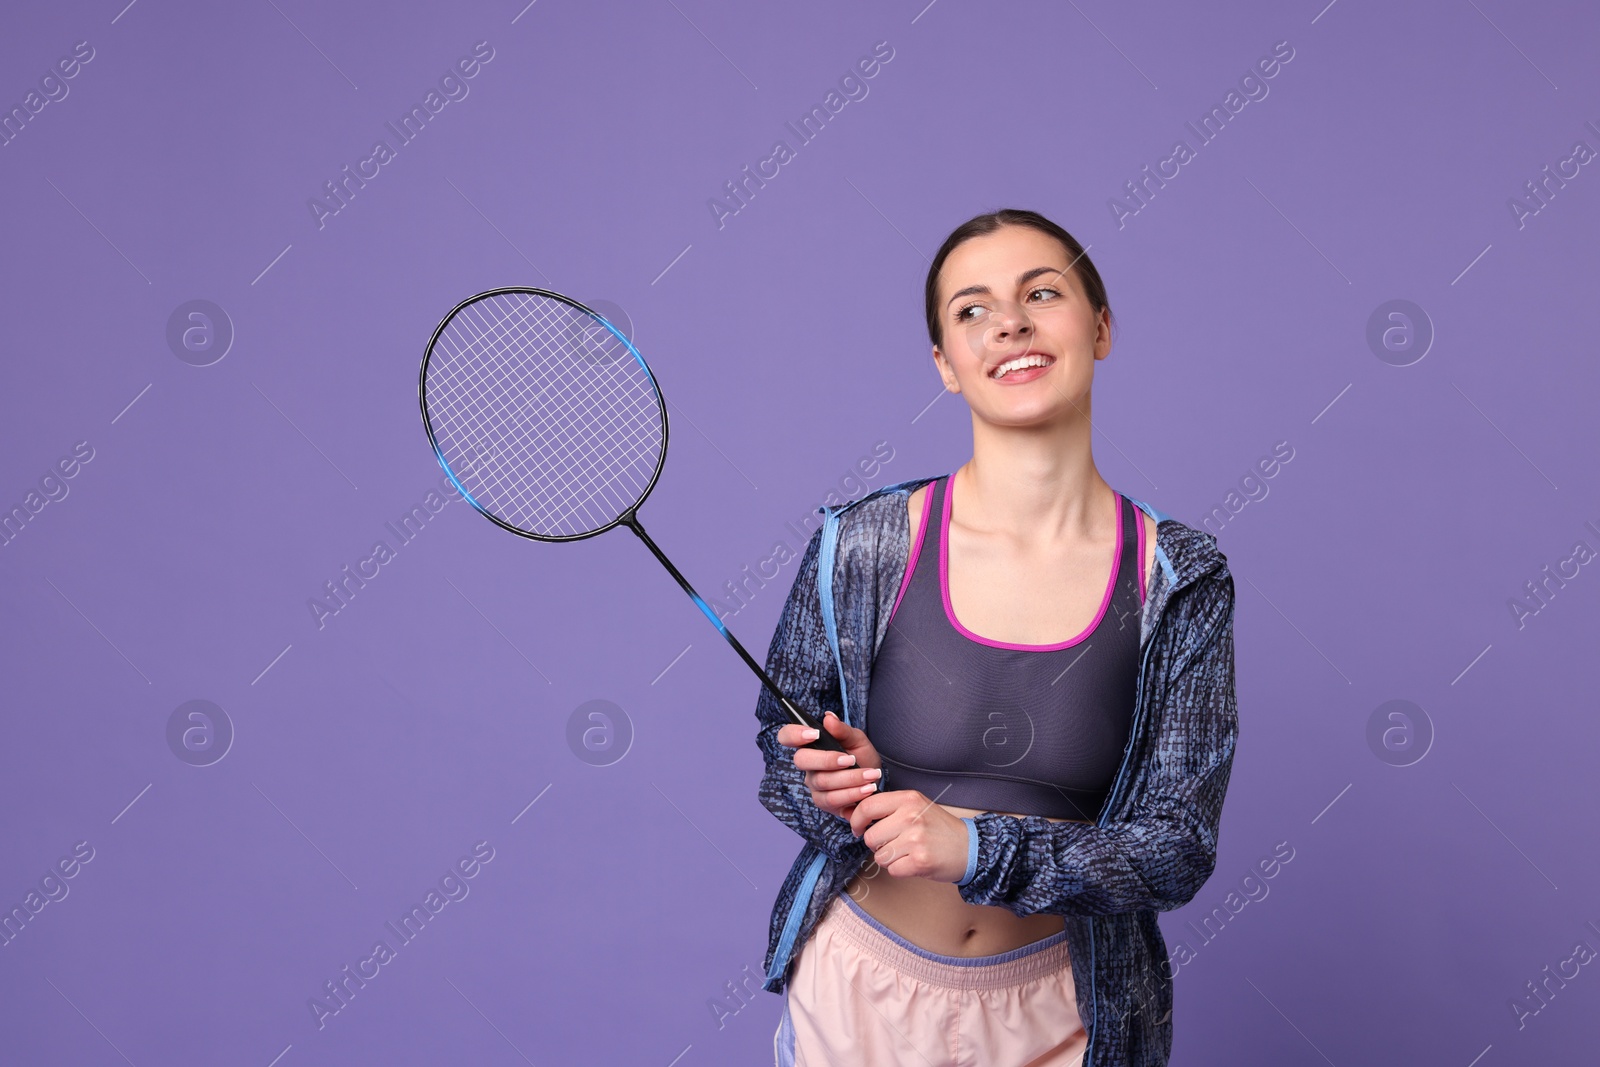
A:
(942, 364)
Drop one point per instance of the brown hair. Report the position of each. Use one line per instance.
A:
(977, 226)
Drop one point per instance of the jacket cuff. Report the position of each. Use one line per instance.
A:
(972, 851)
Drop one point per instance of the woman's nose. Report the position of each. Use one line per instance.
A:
(1010, 317)
(1006, 321)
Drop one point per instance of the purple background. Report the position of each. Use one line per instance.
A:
(433, 709)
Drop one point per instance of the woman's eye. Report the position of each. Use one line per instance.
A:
(963, 316)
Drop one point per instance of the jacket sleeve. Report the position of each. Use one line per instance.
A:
(802, 664)
(1160, 856)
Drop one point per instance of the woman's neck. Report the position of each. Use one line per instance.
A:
(1034, 485)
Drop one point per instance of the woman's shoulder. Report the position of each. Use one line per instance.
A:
(882, 500)
(1182, 551)
(1193, 553)
(1197, 568)
(879, 520)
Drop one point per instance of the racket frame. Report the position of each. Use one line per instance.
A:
(433, 442)
(629, 517)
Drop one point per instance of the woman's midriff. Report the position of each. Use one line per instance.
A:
(932, 915)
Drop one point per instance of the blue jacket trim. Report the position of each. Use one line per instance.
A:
(972, 849)
(791, 925)
(1161, 555)
(802, 896)
(825, 554)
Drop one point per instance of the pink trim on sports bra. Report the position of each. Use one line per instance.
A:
(1138, 516)
(944, 582)
(916, 549)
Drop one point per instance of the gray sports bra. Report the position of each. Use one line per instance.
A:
(977, 723)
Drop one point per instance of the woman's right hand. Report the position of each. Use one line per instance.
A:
(837, 781)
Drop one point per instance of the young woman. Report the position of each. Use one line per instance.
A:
(1040, 766)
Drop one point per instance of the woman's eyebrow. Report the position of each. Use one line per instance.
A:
(1022, 279)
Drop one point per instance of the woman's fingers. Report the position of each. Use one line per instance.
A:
(840, 791)
(793, 735)
(848, 735)
(840, 802)
(852, 778)
(819, 759)
(837, 781)
(855, 741)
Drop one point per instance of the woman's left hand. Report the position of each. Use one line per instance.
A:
(911, 836)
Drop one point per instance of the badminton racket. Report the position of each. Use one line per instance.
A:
(549, 422)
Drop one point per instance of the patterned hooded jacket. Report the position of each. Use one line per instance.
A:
(1155, 841)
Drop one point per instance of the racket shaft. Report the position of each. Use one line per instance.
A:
(796, 713)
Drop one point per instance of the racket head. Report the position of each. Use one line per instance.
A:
(542, 413)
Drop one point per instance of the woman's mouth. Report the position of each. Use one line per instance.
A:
(1024, 368)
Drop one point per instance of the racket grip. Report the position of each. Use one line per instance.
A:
(825, 741)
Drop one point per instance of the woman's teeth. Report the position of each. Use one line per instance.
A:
(1020, 363)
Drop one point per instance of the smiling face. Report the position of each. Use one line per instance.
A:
(1008, 296)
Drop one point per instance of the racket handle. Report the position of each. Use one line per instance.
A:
(825, 741)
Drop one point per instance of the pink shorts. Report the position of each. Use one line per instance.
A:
(862, 994)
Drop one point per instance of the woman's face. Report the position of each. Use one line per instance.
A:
(1008, 294)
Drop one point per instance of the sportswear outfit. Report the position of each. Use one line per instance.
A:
(1067, 730)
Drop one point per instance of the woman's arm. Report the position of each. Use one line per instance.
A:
(801, 663)
(1161, 856)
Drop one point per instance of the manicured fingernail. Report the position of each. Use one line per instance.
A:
(809, 734)
(874, 774)
(846, 760)
(872, 788)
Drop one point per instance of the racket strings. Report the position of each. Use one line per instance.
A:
(573, 486)
(500, 420)
(548, 420)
